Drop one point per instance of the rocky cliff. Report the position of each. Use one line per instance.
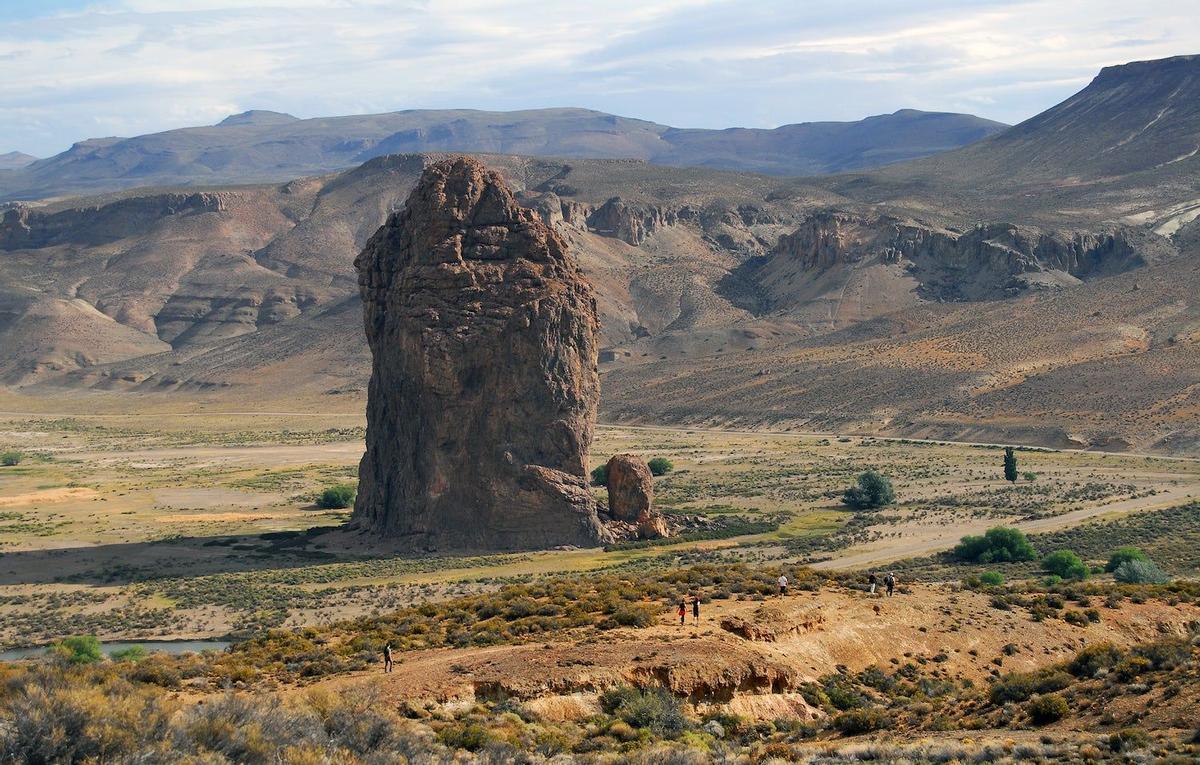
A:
(484, 384)
(989, 261)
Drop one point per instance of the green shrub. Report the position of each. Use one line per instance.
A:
(1066, 564)
(1167, 653)
(655, 710)
(1019, 686)
(8, 459)
(998, 545)
(1127, 739)
(1030, 476)
(866, 720)
(1123, 555)
(79, 649)
(600, 475)
(133, 653)
(872, 491)
(992, 578)
(1047, 708)
(660, 465)
(1129, 669)
(467, 736)
(1140, 572)
(336, 497)
(1092, 659)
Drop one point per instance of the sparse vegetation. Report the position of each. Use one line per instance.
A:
(10, 458)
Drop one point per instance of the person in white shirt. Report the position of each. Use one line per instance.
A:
(783, 583)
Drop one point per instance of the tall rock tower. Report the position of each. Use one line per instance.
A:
(484, 384)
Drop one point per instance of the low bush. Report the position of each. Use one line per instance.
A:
(998, 545)
(1123, 555)
(1140, 572)
(655, 710)
(865, 720)
(8, 459)
(1128, 739)
(1168, 653)
(1020, 686)
(992, 578)
(660, 465)
(1047, 708)
(1094, 658)
(79, 649)
(336, 497)
(1066, 564)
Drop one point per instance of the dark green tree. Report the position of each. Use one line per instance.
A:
(600, 475)
(1010, 465)
(872, 491)
(998, 545)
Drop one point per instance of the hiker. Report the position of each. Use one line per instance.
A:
(890, 581)
(695, 609)
(782, 585)
(872, 580)
(682, 612)
(387, 657)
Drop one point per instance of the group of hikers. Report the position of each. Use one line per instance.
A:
(889, 582)
(682, 610)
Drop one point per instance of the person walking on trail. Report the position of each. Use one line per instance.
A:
(890, 581)
(387, 657)
(682, 613)
(695, 609)
(783, 583)
(872, 580)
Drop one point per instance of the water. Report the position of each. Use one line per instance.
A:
(152, 646)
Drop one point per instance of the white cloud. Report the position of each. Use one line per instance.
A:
(133, 66)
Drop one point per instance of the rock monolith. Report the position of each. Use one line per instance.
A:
(484, 384)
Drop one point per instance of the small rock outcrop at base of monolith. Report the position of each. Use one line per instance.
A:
(484, 384)
(631, 496)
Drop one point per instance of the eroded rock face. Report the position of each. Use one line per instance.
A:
(631, 496)
(991, 261)
(484, 383)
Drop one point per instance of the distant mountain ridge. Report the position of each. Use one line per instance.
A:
(265, 146)
(15, 159)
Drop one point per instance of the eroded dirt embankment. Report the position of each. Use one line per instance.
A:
(752, 657)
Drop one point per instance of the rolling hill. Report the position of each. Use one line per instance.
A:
(259, 146)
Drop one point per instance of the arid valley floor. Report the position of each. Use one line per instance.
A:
(200, 525)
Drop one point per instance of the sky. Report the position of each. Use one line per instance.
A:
(75, 69)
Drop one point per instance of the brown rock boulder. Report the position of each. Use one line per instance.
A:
(631, 495)
(484, 383)
(630, 487)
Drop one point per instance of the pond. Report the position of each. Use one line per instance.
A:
(151, 646)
